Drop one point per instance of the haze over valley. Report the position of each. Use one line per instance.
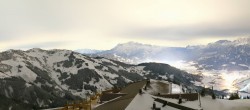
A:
(223, 64)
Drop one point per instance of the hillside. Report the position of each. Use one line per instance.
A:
(39, 78)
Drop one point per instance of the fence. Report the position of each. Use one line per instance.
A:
(78, 105)
(188, 97)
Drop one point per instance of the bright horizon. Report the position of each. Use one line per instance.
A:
(147, 43)
(83, 24)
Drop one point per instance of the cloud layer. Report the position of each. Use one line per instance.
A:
(100, 24)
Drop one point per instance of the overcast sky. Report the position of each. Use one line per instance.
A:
(102, 24)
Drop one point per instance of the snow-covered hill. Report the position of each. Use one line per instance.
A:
(39, 78)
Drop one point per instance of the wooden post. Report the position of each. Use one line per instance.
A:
(180, 99)
(67, 106)
(170, 88)
(154, 106)
(90, 105)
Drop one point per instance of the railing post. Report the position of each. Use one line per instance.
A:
(90, 104)
(199, 99)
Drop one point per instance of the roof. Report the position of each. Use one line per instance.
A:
(122, 103)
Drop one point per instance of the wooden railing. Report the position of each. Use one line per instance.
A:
(188, 97)
(86, 105)
(78, 105)
(81, 105)
(178, 106)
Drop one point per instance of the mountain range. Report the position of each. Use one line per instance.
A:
(36, 78)
(220, 55)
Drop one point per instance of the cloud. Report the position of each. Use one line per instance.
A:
(101, 24)
(189, 32)
(43, 45)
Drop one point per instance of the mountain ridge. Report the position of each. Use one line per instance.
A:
(224, 51)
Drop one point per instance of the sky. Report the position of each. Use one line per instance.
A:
(102, 24)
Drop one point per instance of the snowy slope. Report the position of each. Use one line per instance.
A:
(207, 103)
(48, 78)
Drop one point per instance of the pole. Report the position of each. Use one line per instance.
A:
(199, 99)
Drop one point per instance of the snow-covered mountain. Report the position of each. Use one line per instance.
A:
(242, 41)
(88, 51)
(39, 78)
(223, 54)
(135, 53)
(230, 55)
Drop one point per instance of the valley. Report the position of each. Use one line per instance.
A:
(222, 64)
(222, 80)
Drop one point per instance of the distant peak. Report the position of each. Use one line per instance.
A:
(43, 50)
(243, 41)
(131, 42)
(132, 46)
(35, 49)
(223, 41)
(88, 51)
